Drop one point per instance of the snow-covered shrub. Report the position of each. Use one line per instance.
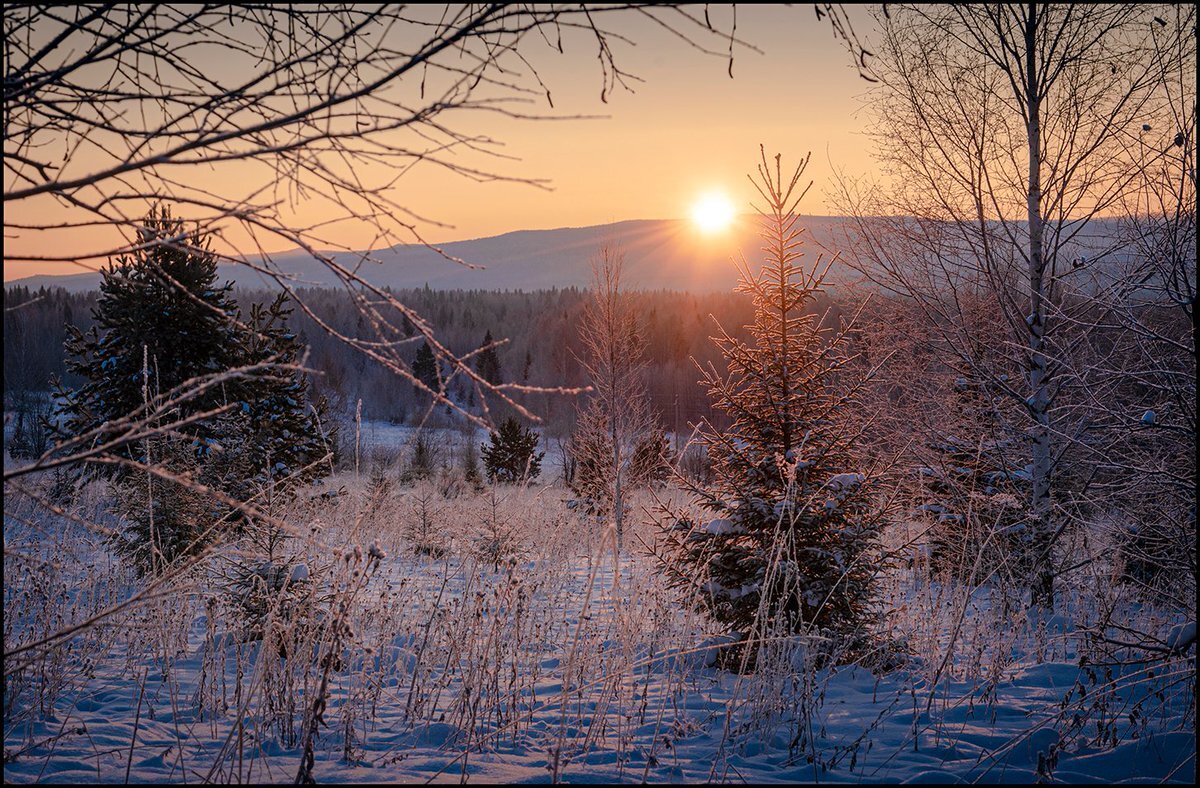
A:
(263, 591)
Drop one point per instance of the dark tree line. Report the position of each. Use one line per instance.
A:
(541, 328)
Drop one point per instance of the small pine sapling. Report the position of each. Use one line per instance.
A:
(791, 547)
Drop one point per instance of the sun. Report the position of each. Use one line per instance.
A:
(712, 213)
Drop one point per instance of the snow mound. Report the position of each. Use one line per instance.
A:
(1182, 637)
(722, 527)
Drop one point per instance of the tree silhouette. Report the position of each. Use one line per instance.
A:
(487, 363)
(511, 456)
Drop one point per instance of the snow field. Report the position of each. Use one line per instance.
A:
(535, 663)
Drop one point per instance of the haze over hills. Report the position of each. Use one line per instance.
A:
(659, 253)
(669, 254)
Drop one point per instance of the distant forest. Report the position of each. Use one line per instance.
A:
(541, 328)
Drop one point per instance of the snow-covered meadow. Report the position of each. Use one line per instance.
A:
(912, 501)
(429, 632)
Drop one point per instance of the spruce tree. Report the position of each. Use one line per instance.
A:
(487, 363)
(421, 463)
(273, 422)
(651, 462)
(512, 455)
(470, 466)
(425, 368)
(161, 320)
(164, 521)
(791, 544)
(590, 449)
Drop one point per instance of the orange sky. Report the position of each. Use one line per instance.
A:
(688, 129)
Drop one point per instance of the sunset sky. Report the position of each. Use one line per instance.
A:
(689, 129)
(688, 132)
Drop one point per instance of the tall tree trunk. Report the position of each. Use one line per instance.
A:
(1042, 590)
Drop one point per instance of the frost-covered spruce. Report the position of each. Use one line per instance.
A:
(161, 320)
(790, 545)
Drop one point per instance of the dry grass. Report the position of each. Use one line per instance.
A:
(355, 644)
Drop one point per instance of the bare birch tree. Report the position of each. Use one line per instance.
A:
(616, 423)
(1003, 130)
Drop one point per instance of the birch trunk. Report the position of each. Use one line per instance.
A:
(1042, 579)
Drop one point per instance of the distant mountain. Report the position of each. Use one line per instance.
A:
(659, 253)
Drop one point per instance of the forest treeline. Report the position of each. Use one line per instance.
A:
(542, 349)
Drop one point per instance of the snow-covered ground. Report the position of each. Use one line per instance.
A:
(388, 440)
(493, 640)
